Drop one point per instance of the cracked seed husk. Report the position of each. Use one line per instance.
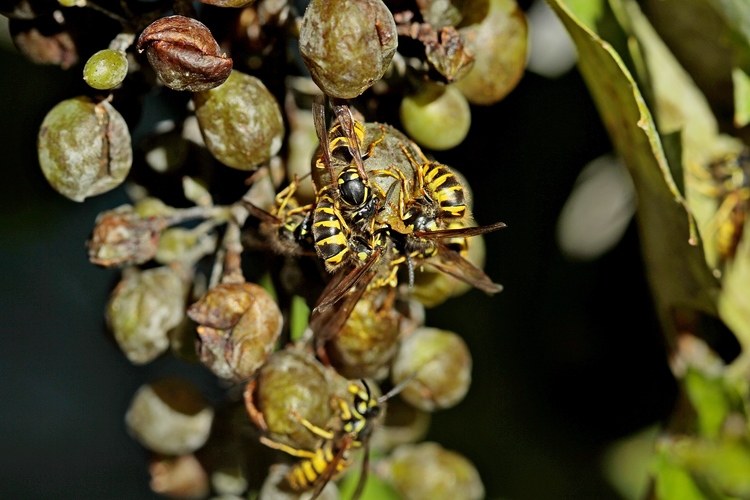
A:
(84, 148)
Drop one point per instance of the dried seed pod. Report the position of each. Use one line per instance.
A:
(143, 307)
(121, 236)
(44, 41)
(498, 41)
(169, 416)
(184, 54)
(105, 69)
(366, 344)
(241, 122)
(27, 9)
(440, 13)
(442, 363)
(233, 4)
(347, 45)
(84, 148)
(436, 117)
(178, 477)
(292, 380)
(427, 470)
(239, 326)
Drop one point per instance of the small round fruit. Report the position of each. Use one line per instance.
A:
(436, 117)
(442, 363)
(106, 69)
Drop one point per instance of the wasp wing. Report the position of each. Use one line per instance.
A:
(261, 214)
(344, 115)
(330, 471)
(450, 262)
(440, 234)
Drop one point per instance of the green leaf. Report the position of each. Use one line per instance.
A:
(675, 263)
(266, 282)
(707, 396)
(673, 481)
(299, 316)
(375, 487)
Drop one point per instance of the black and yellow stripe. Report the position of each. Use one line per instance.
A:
(446, 189)
(306, 472)
(329, 232)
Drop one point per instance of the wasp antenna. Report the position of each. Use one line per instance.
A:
(400, 387)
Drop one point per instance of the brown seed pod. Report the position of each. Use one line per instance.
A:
(184, 54)
(427, 470)
(239, 324)
(347, 45)
(169, 416)
(241, 122)
(122, 237)
(442, 363)
(234, 4)
(142, 310)
(178, 477)
(27, 9)
(42, 40)
(292, 380)
(84, 148)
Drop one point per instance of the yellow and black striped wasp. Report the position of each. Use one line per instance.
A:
(732, 178)
(356, 422)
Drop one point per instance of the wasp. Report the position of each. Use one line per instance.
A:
(356, 422)
(732, 178)
(288, 226)
(431, 221)
(342, 225)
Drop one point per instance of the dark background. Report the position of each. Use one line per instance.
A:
(566, 359)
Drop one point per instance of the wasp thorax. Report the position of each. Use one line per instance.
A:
(352, 189)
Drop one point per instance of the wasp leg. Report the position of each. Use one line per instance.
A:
(295, 452)
(318, 431)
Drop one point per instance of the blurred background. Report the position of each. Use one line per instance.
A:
(567, 359)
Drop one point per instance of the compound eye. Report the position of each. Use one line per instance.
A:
(353, 191)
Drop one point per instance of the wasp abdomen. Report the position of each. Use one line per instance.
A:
(446, 189)
(328, 232)
(305, 473)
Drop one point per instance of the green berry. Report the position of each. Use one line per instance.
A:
(106, 69)
(436, 117)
